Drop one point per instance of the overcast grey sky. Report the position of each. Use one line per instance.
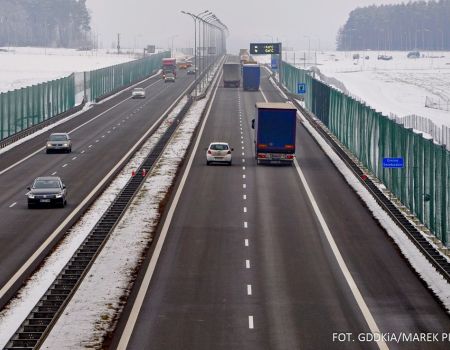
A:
(294, 22)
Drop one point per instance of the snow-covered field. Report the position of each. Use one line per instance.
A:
(25, 66)
(399, 86)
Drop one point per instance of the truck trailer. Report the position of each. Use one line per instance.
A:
(169, 65)
(251, 77)
(231, 75)
(275, 130)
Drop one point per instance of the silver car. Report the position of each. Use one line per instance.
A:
(59, 142)
(138, 93)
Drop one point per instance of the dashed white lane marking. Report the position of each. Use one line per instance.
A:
(249, 289)
(242, 137)
(103, 136)
(13, 204)
(243, 160)
(64, 165)
(245, 224)
(54, 173)
(113, 127)
(82, 151)
(74, 158)
(247, 264)
(89, 146)
(246, 242)
(109, 131)
(243, 168)
(118, 124)
(250, 322)
(245, 209)
(243, 176)
(244, 185)
(242, 141)
(96, 141)
(244, 197)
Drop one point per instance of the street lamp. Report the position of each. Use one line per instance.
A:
(171, 38)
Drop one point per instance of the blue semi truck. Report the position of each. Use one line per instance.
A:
(251, 76)
(275, 130)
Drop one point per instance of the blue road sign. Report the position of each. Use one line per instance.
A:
(274, 62)
(301, 88)
(393, 163)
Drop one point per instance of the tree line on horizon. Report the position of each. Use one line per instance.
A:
(417, 25)
(46, 23)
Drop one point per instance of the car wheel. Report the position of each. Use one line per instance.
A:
(30, 206)
(47, 151)
(229, 163)
(208, 162)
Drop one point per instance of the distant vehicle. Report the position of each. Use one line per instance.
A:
(275, 131)
(218, 152)
(191, 71)
(385, 57)
(59, 142)
(356, 56)
(169, 65)
(169, 77)
(182, 65)
(413, 54)
(138, 93)
(189, 63)
(231, 74)
(244, 56)
(250, 77)
(47, 190)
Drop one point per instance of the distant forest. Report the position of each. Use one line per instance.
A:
(49, 23)
(416, 25)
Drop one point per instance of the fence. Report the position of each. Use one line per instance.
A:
(423, 185)
(437, 103)
(440, 134)
(23, 108)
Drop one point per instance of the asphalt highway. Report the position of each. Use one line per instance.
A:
(101, 137)
(247, 263)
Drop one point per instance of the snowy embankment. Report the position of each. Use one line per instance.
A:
(13, 315)
(399, 86)
(25, 66)
(426, 271)
(100, 298)
(98, 301)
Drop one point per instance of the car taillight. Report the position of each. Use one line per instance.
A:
(209, 152)
(290, 156)
(261, 155)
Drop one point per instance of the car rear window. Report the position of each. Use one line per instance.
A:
(219, 147)
(46, 184)
(58, 138)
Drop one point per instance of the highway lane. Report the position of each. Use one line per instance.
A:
(97, 148)
(395, 295)
(246, 264)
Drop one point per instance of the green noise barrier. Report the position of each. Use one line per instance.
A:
(422, 185)
(26, 107)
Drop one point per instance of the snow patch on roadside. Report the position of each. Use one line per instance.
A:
(19, 307)
(434, 280)
(100, 297)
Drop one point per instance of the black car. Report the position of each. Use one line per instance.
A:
(48, 191)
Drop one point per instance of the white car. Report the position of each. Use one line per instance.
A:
(218, 152)
(138, 93)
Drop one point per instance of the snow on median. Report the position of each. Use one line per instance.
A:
(98, 302)
(18, 309)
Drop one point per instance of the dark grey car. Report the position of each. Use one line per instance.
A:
(48, 191)
(59, 142)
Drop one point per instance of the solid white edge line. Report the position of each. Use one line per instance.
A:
(342, 265)
(50, 238)
(130, 324)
